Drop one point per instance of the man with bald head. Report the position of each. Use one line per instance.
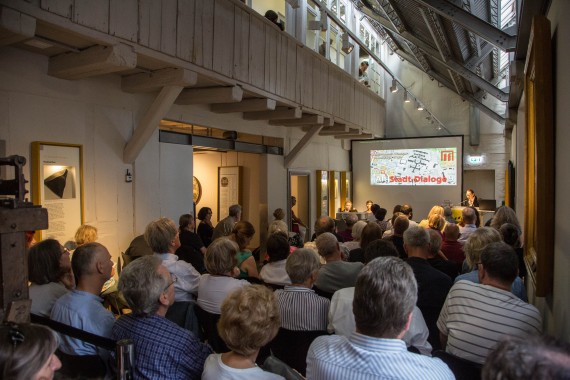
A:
(82, 308)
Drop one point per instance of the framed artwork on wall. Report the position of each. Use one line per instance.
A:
(57, 185)
(196, 189)
(229, 189)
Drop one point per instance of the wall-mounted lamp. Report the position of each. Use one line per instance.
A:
(347, 47)
(406, 98)
(294, 3)
(394, 87)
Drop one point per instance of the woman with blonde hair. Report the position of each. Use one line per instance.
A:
(473, 247)
(242, 234)
(85, 234)
(435, 210)
(249, 320)
(437, 222)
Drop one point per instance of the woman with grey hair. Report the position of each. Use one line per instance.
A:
(473, 247)
(356, 235)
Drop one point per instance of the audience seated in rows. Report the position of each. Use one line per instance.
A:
(400, 225)
(278, 250)
(163, 238)
(468, 219)
(350, 221)
(322, 225)
(341, 317)
(242, 234)
(384, 298)
(191, 249)
(473, 248)
(221, 264)
(435, 210)
(370, 233)
(380, 215)
(436, 258)
(50, 276)
(162, 349)
(489, 310)
(300, 308)
(395, 213)
(82, 308)
(226, 225)
(249, 321)
(450, 247)
(356, 234)
(531, 357)
(433, 285)
(336, 273)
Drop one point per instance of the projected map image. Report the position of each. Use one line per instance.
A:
(414, 167)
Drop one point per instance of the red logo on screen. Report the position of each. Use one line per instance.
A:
(447, 155)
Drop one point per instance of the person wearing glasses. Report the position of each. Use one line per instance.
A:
(49, 272)
(163, 350)
(27, 351)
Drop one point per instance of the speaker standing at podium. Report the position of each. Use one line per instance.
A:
(470, 199)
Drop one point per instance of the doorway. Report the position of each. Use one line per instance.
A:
(300, 188)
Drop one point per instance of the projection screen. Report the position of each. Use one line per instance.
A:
(422, 172)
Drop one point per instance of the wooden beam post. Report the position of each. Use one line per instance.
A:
(301, 145)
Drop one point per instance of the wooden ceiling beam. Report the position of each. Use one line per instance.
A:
(278, 113)
(348, 131)
(97, 60)
(210, 95)
(149, 82)
(246, 105)
(305, 120)
(356, 136)
(15, 26)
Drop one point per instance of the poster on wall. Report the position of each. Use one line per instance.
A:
(229, 180)
(57, 185)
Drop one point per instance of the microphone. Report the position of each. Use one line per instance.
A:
(462, 202)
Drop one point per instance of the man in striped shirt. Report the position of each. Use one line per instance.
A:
(476, 316)
(384, 299)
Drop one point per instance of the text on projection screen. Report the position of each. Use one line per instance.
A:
(414, 167)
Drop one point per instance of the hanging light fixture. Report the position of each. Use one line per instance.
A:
(419, 106)
(394, 87)
(406, 98)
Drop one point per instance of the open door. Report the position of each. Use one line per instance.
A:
(300, 188)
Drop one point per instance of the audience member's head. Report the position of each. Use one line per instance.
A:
(85, 234)
(48, 261)
(162, 236)
(477, 216)
(301, 264)
(27, 351)
(532, 357)
(476, 242)
(505, 214)
(434, 242)
(374, 209)
(380, 213)
(277, 247)
(327, 245)
(357, 229)
(384, 298)
(511, 234)
(468, 215)
(235, 211)
(278, 226)
(279, 214)
(397, 208)
(436, 210)
(437, 222)
(186, 222)
(451, 232)
(242, 233)
(499, 262)
(249, 319)
(371, 232)
(220, 258)
(145, 285)
(91, 260)
(407, 210)
(416, 236)
(400, 224)
(204, 212)
(447, 212)
(274, 18)
(379, 248)
(351, 220)
(324, 224)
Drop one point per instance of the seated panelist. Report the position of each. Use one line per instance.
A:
(347, 207)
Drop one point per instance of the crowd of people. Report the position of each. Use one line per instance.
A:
(374, 300)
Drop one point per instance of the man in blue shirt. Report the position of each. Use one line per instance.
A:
(384, 299)
(82, 308)
(163, 350)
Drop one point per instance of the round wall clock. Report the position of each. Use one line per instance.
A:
(197, 189)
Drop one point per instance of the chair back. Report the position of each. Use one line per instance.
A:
(292, 346)
(461, 368)
(182, 313)
(208, 322)
(322, 293)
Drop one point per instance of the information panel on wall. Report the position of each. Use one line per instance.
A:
(421, 172)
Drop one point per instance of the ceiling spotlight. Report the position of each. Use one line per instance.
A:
(347, 47)
(406, 98)
(294, 3)
(419, 106)
(394, 87)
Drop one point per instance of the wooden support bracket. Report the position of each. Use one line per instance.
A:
(148, 82)
(302, 144)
